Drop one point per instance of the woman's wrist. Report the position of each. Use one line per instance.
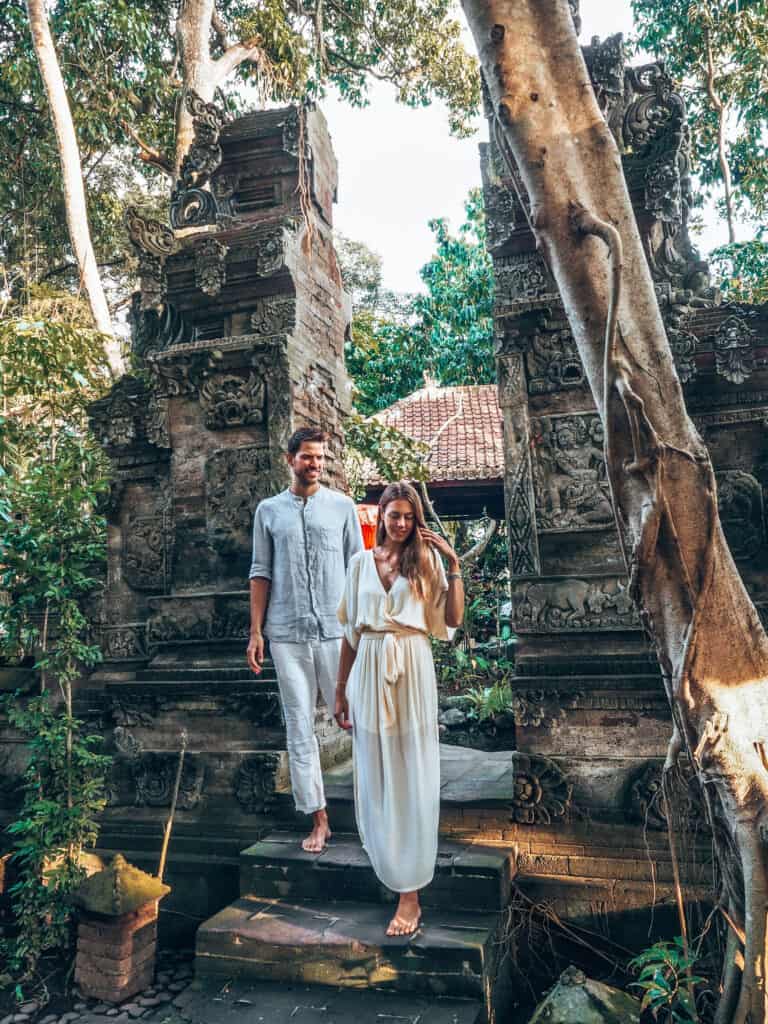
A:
(341, 682)
(454, 567)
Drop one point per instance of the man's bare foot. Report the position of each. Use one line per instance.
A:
(320, 834)
(408, 915)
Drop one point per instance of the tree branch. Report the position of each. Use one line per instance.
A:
(219, 28)
(234, 56)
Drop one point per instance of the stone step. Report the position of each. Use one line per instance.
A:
(344, 945)
(264, 1002)
(467, 877)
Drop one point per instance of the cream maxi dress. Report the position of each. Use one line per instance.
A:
(392, 695)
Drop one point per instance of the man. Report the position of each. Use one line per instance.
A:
(303, 540)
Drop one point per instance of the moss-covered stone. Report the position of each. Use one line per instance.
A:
(119, 889)
(577, 999)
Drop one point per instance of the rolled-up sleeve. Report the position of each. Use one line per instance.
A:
(353, 535)
(261, 561)
(347, 613)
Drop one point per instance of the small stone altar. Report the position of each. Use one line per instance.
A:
(238, 331)
(588, 693)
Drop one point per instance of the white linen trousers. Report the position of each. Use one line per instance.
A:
(303, 670)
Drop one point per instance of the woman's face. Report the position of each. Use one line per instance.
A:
(399, 520)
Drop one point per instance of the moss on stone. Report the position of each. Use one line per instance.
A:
(119, 889)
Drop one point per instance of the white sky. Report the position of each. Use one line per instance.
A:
(398, 167)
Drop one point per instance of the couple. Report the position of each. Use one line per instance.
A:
(355, 625)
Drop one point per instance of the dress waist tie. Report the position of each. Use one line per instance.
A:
(393, 667)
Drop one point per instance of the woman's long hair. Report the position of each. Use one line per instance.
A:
(417, 562)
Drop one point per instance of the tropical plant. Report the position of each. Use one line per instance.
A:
(666, 979)
(742, 270)
(371, 444)
(52, 548)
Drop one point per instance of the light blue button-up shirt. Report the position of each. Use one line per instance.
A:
(304, 547)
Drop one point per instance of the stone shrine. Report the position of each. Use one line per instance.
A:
(237, 336)
(589, 700)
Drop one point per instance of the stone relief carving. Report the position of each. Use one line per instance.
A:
(130, 415)
(260, 709)
(645, 801)
(270, 253)
(510, 375)
(734, 350)
(562, 605)
(152, 242)
(155, 330)
(146, 552)
(154, 775)
(191, 203)
(553, 363)
(684, 346)
(210, 266)
(521, 524)
(740, 504)
(254, 783)
(235, 481)
(542, 709)
(229, 400)
(570, 482)
(523, 276)
(274, 315)
(180, 372)
(542, 794)
(124, 643)
(130, 710)
(605, 61)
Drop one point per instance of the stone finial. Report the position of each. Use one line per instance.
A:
(578, 998)
(119, 889)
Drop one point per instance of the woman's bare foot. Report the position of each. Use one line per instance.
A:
(320, 834)
(407, 916)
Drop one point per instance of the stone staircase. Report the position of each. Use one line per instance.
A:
(320, 919)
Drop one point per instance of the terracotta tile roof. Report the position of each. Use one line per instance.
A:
(467, 423)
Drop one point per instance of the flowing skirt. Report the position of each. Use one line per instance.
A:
(396, 757)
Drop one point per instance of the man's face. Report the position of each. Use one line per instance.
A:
(308, 462)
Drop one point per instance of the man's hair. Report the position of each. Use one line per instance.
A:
(313, 434)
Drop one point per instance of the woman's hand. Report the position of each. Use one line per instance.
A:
(341, 708)
(440, 544)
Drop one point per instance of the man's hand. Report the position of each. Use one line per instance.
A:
(255, 652)
(341, 709)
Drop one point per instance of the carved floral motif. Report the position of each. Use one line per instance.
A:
(684, 346)
(154, 775)
(210, 266)
(254, 783)
(645, 801)
(542, 795)
(541, 709)
(125, 642)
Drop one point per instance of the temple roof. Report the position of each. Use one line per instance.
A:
(463, 425)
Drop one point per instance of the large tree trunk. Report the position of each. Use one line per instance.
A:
(711, 646)
(72, 178)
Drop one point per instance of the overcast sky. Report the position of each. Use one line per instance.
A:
(399, 167)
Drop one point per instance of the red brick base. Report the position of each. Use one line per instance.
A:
(116, 955)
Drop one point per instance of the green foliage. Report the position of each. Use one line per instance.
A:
(64, 792)
(52, 547)
(446, 332)
(372, 443)
(742, 269)
(489, 701)
(665, 977)
(455, 316)
(680, 32)
(123, 72)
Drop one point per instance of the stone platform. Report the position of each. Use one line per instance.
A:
(321, 919)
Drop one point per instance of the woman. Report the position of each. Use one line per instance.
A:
(397, 595)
